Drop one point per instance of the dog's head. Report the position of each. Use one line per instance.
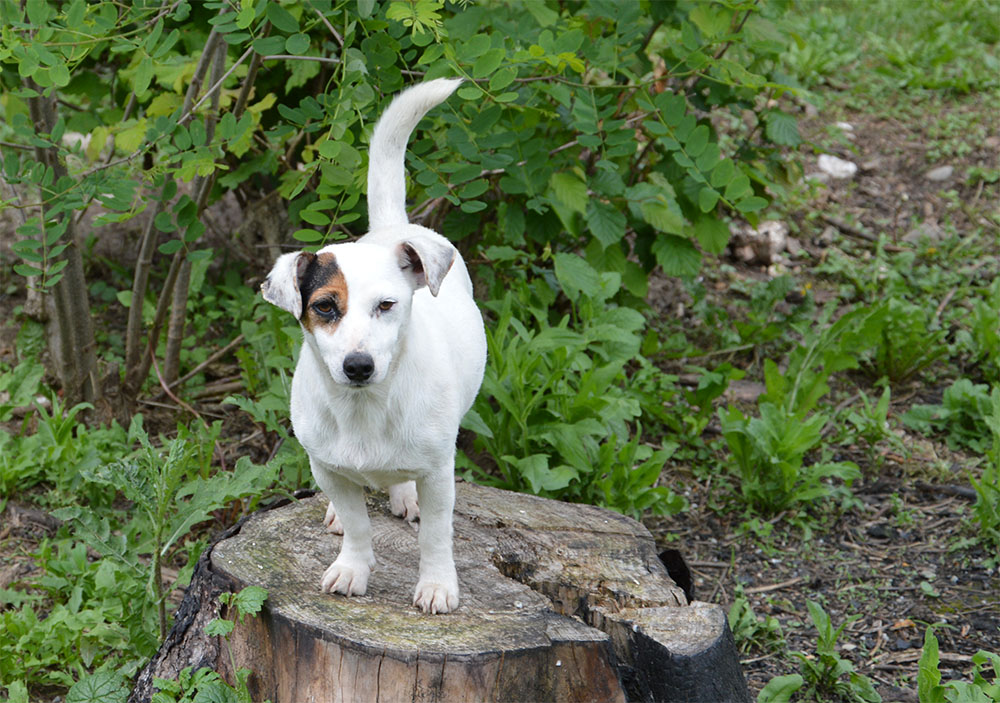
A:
(354, 300)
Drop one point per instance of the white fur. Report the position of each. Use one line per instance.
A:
(398, 429)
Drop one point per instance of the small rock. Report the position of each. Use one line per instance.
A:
(941, 173)
(872, 164)
(836, 167)
(928, 230)
(761, 245)
(992, 142)
(811, 110)
(845, 126)
(882, 532)
(793, 247)
(817, 176)
(901, 644)
(827, 236)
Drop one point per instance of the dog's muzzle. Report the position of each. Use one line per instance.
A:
(359, 367)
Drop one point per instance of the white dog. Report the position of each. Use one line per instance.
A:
(393, 356)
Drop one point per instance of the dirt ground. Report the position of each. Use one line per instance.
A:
(891, 563)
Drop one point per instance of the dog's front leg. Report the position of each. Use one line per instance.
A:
(437, 589)
(349, 572)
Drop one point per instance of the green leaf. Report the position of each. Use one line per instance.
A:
(677, 256)
(752, 204)
(297, 44)
(929, 689)
(249, 600)
(269, 45)
(314, 218)
(722, 173)
(570, 191)
(143, 75)
(103, 686)
(281, 18)
(780, 689)
(605, 222)
(662, 216)
(707, 198)
(782, 129)
(219, 627)
(711, 20)
(575, 275)
(488, 63)
(171, 247)
(502, 78)
(307, 235)
(543, 15)
(17, 692)
(672, 107)
(697, 141)
(712, 234)
(473, 421)
(365, 8)
(27, 270)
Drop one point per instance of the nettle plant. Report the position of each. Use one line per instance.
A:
(617, 130)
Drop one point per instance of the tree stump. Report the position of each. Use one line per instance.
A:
(560, 602)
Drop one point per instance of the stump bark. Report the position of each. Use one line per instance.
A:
(560, 602)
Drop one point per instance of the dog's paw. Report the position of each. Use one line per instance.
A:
(433, 597)
(332, 522)
(403, 501)
(346, 577)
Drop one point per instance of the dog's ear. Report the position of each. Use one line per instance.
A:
(281, 287)
(426, 261)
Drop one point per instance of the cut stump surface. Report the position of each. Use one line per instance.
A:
(559, 602)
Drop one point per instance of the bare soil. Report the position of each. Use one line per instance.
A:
(894, 563)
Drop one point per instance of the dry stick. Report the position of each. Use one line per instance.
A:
(202, 187)
(775, 586)
(210, 360)
(137, 365)
(857, 233)
(324, 20)
(163, 385)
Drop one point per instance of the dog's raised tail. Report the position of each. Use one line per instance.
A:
(387, 152)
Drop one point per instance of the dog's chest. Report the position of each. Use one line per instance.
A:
(370, 437)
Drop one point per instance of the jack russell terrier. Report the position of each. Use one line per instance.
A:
(392, 357)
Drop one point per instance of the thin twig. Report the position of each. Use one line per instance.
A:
(330, 28)
(163, 385)
(215, 86)
(775, 586)
(290, 57)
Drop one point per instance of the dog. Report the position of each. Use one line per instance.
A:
(392, 357)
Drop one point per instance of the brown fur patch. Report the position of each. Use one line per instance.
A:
(323, 281)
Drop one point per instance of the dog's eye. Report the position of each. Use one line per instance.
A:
(325, 307)
(386, 305)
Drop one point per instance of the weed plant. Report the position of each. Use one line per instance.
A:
(751, 631)
(824, 675)
(962, 416)
(978, 690)
(560, 409)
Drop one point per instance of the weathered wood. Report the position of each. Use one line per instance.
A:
(560, 602)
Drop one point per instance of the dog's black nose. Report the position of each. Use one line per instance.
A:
(358, 367)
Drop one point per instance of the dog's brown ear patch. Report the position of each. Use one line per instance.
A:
(324, 293)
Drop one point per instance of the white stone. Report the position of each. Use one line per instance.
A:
(941, 173)
(845, 126)
(836, 167)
